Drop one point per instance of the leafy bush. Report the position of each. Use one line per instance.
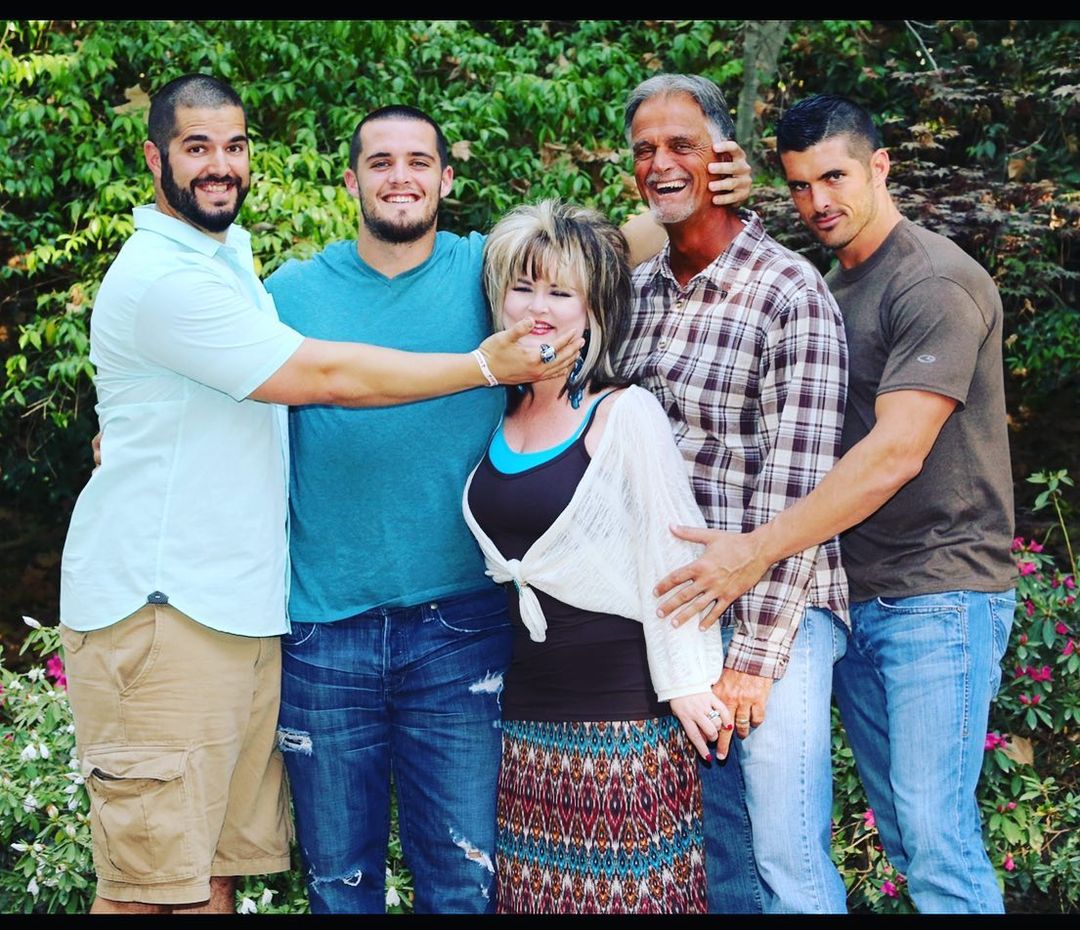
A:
(981, 115)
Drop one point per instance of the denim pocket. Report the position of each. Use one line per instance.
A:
(925, 603)
(299, 634)
(1002, 612)
(480, 613)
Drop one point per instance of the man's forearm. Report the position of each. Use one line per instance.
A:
(865, 478)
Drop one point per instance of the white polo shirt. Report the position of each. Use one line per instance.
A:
(189, 506)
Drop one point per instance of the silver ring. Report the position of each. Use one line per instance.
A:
(547, 354)
(713, 714)
(743, 723)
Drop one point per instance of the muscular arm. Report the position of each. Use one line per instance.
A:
(356, 375)
(892, 453)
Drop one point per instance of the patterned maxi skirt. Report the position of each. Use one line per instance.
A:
(599, 818)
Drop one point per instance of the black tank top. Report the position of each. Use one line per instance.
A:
(592, 666)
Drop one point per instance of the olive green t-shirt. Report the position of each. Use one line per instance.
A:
(921, 314)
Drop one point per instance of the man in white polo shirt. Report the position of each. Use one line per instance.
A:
(174, 572)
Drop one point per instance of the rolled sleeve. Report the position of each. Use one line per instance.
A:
(802, 403)
(193, 323)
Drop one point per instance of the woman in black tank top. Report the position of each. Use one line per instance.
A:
(599, 807)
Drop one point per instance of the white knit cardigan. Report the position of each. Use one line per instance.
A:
(612, 544)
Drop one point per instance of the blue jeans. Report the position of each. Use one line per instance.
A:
(411, 693)
(770, 804)
(914, 692)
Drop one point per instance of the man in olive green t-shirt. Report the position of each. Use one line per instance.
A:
(924, 493)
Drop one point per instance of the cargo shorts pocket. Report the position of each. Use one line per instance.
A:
(142, 815)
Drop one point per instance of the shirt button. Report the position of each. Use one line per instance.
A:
(679, 304)
(433, 606)
(663, 343)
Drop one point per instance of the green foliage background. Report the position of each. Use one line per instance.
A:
(981, 118)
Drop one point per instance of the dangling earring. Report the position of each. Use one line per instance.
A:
(578, 389)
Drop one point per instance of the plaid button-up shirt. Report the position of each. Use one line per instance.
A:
(750, 363)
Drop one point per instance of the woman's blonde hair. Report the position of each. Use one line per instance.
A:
(565, 242)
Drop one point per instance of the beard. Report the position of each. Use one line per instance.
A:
(182, 199)
(397, 232)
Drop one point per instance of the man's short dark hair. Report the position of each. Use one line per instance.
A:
(399, 111)
(189, 90)
(823, 116)
(705, 92)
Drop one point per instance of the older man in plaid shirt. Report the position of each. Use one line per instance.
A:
(744, 346)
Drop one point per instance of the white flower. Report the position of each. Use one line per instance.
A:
(247, 906)
(266, 897)
(69, 829)
(30, 803)
(19, 847)
(32, 885)
(44, 750)
(29, 753)
(16, 685)
(33, 624)
(36, 674)
(31, 699)
(392, 897)
(73, 804)
(70, 728)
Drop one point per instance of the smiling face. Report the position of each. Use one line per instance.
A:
(556, 306)
(672, 147)
(204, 174)
(398, 180)
(839, 195)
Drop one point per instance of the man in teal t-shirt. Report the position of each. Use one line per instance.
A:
(399, 641)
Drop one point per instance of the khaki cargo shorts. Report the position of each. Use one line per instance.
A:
(175, 725)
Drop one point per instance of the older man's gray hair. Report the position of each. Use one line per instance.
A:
(704, 91)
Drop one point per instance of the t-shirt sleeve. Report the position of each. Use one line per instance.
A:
(193, 323)
(934, 330)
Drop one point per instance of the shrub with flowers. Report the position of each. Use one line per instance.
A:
(1029, 792)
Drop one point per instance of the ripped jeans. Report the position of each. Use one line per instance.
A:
(412, 693)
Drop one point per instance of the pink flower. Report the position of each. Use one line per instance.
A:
(1034, 546)
(1035, 698)
(1017, 543)
(1024, 699)
(1023, 636)
(1069, 599)
(994, 741)
(1070, 646)
(54, 668)
(1008, 865)
(1069, 582)
(888, 888)
(868, 819)
(1060, 628)
(1029, 609)
(1027, 568)
(1011, 806)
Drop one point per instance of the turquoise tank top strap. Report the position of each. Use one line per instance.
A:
(509, 462)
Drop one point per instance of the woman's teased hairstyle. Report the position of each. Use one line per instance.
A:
(564, 242)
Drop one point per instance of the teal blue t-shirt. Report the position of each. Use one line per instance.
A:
(375, 494)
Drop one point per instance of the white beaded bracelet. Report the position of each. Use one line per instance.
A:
(482, 362)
